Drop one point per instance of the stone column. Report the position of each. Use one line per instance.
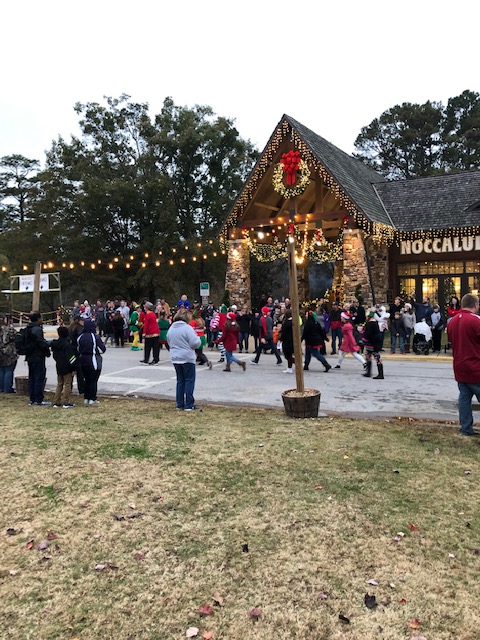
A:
(355, 267)
(379, 272)
(237, 278)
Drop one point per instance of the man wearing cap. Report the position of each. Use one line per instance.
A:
(336, 326)
(265, 327)
(464, 335)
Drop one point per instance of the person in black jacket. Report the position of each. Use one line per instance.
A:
(286, 336)
(372, 337)
(65, 360)
(90, 348)
(315, 337)
(36, 356)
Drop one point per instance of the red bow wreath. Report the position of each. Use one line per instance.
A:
(290, 162)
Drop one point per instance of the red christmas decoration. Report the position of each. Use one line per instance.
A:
(291, 229)
(290, 162)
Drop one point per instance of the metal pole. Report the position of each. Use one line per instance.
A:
(36, 287)
(293, 283)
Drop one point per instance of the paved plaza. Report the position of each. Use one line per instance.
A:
(414, 386)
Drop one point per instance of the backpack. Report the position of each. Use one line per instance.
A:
(24, 341)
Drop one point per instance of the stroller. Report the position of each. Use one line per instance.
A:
(421, 345)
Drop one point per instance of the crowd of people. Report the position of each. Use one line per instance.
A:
(189, 328)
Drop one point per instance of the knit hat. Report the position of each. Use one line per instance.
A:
(89, 326)
(266, 311)
(345, 316)
(408, 305)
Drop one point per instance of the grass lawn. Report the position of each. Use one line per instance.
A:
(124, 520)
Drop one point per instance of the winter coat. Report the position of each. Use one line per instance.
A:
(464, 335)
(182, 341)
(372, 336)
(90, 348)
(349, 344)
(64, 356)
(8, 351)
(398, 328)
(313, 334)
(230, 337)
(40, 350)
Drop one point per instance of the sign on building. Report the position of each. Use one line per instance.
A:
(204, 290)
(26, 283)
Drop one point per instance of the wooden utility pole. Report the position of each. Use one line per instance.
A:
(293, 283)
(36, 286)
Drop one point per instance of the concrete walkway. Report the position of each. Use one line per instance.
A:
(420, 387)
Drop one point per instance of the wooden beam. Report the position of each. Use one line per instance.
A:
(284, 219)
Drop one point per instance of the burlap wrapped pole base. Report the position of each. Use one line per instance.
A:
(21, 386)
(301, 404)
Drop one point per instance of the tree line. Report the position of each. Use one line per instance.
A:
(131, 182)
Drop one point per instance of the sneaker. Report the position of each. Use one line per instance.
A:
(56, 405)
(90, 402)
(179, 408)
(155, 363)
(473, 432)
(86, 401)
(288, 371)
(253, 362)
(195, 409)
(279, 363)
(337, 366)
(44, 403)
(222, 360)
(68, 405)
(144, 362)
(134, 349)
(210, 365)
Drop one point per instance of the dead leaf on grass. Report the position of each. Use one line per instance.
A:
(323, 596)
(413, 527)
(100, 567)
(43, 545)
(139, 556)
(51, 536)
(13, 532)
(30, 544)
(207, 635)
(206, 610)
(245, 548)
(192, 632)
(217, 599)
(414, 623)
(373, 582)
(344, 619)
(254, 613)
(370, 601)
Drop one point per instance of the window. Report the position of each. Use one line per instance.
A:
(408, 269)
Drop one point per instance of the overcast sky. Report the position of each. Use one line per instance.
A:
(332, 66)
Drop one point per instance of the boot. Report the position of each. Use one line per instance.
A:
(368, 369)
(227, 367)
(242, 364)
(380, 372)
(407, 348)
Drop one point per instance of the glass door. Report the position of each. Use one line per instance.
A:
(430, 289)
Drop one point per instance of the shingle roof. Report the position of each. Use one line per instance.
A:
(436, 202)
(354, 177)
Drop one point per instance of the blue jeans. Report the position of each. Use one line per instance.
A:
(336, 333)
(37, 373)
(401, 340)
(230, 357)
(312, 351)
(6, 378)
(268, 344)
(467, 391)
(244, 340)
(185, 385)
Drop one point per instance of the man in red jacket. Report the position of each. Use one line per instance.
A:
(464, 335)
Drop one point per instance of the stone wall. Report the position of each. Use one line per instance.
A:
(355, 267)
(237, 279)
(379, 272)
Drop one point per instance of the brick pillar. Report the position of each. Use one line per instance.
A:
(237, 278)
(355, 267)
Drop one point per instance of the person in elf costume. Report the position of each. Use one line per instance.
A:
(133, 328)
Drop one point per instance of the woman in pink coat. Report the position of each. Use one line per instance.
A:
(349, 344)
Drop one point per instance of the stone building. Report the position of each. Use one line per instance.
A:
(384, 238)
